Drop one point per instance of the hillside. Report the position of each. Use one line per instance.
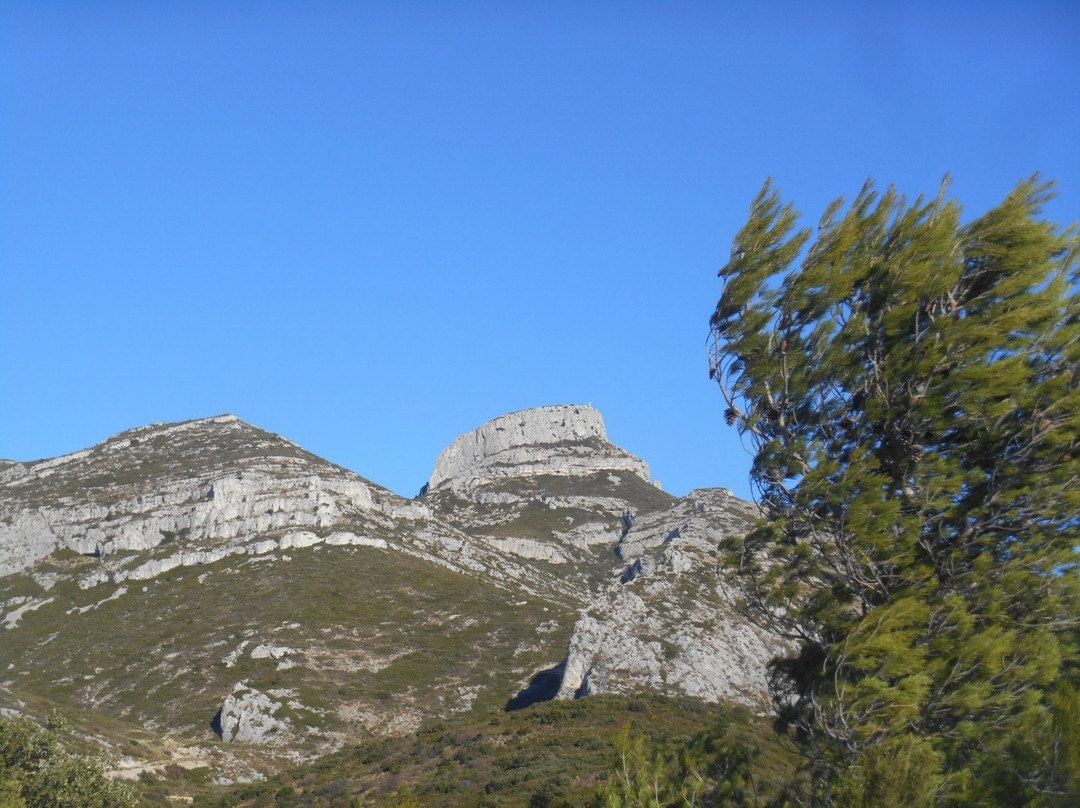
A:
(552, 754)
(218, 585)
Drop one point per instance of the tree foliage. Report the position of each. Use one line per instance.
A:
(909, 386)
(712, 770)
(36, 772)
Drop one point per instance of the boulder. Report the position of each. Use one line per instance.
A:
(248, 715)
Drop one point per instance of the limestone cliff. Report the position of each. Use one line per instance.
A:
(546, 487)
(563, 440)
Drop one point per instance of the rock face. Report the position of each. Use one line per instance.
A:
(666, 623)
(564, 440)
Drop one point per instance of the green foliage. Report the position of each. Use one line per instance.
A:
(35, 772)
(75, 781)
(640, 778)
(910, 386)
(11, 793)
(24, 747)
(901, 772)
(714, 768)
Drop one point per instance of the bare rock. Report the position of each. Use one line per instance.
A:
(249, 715)
(564, 440)
(668, 624)
(215, 481)
(527, 548)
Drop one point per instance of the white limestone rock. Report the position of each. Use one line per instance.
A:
(527, 548)
(12, 618)
(298, 539)
(345, 538)
(156, 566)
(274, 652)
(27, 537)
(249, 715)
(668, 624)
(231, 658)
(563, 440)
(587, 535)
(262, 547)
(118, 593)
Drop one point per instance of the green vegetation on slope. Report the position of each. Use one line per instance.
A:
(551, 754)
(376, 634)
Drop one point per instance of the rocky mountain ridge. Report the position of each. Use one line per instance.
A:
(212, 576)
(140, 488)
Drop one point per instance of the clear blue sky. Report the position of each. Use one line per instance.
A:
(372, 226)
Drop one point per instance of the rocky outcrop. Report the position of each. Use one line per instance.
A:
(564, 440)
(667, 623)
(25, 536)
(22, 606)
(216, 510)
(545, 486)
(249, 715)
(295, 540)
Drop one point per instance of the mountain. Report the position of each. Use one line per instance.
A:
(216, 585)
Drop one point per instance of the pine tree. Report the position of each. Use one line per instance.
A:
(909, 386)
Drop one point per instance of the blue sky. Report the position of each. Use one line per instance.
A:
(371, 227)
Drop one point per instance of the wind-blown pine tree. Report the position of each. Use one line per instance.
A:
(910, 388)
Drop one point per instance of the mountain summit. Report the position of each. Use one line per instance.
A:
(564, 440)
